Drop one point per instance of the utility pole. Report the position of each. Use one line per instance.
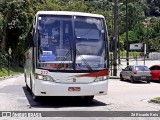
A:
(127, 42)
(119, 21)
(119, 59)
(115, 13)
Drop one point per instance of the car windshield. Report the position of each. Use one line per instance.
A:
(142, 68)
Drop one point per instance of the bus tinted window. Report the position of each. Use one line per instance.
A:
(55, 32)
(77, 40)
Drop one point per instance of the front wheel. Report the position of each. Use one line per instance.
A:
(27, 88)
(132, 79)
(148, 81)
(35, 98)
(88, 98)
(121, 78)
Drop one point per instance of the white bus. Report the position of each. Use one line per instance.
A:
(67, 55)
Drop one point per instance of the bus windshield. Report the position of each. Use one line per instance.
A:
(65, 41)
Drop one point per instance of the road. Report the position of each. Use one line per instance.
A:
(122, 96)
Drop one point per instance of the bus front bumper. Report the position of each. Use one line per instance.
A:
(47, 88)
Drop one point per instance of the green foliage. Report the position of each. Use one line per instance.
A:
(16, 17)
(136, 14)
(12, 70)
(158, 98)
(131, 54)
(1, 26)
(3, 59)
(153, 7)
(17, 21)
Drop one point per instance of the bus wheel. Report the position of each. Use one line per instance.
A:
(35, 98)
(27, 88)
(88, 98)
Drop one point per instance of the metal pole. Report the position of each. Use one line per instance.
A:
(8, 65)
(119, 21)
(144, 53)
(127, 42)
(119, 59)
(115, 39)
(147, 43)
(136, 60)
(111, 64)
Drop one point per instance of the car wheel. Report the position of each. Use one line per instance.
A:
(132, 79)
(148, 81)
(121, 78)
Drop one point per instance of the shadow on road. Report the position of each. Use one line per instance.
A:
(155, 81)
(135, 82)
(60, 102)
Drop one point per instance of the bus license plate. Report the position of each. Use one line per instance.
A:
(143, 77)
(74, 89)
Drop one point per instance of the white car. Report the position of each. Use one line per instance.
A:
(136, 73)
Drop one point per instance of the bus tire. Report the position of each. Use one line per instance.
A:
(35, 98)
(25, 78)
(88, 98)
(27, 88)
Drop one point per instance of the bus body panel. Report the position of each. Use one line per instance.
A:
(72, 78)
(59, 89)
(29, 67)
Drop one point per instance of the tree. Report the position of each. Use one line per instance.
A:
(16, 22)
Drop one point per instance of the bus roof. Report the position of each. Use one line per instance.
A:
(69, 13)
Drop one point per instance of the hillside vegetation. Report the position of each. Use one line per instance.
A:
(16, 17)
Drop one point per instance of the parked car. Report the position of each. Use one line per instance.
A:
(136, 73)
(155, 72)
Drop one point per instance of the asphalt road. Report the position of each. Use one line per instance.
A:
(122, 96)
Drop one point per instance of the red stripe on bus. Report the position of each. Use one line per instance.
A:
(95, 74)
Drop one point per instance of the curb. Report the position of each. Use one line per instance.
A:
(154, 101)
(11, 76)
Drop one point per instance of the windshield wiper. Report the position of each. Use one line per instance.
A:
(64, 59)
(88, 66)
(79, 54)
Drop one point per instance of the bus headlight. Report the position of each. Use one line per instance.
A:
(106, 77)
(44, 77)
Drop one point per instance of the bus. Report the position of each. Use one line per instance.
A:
(67, 54)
